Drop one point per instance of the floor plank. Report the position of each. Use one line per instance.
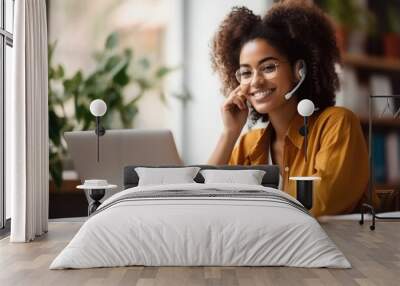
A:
(374, 255)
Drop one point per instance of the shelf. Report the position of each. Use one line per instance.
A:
(371, 62)
(387, 186)
(381, 122)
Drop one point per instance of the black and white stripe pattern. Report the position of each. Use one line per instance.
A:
(206, 194)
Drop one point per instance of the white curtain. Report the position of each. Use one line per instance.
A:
(27, 124)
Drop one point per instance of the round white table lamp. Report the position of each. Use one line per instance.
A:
(304, 184)
(305, 107)
(98, 108)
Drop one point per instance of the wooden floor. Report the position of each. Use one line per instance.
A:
(375, 257)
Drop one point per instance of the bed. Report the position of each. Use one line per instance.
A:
(198, 224)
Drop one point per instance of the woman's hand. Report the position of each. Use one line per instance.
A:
(234, 110)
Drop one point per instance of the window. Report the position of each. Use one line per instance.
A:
(6, 44)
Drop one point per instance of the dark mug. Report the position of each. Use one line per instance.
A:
(305, 189)
(305, 193)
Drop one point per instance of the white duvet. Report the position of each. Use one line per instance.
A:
(200, 231)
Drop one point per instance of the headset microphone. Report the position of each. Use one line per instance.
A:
(302, 73)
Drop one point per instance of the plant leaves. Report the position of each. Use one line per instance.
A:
(128, 53)
(143, 83)
(72, 85)
(163, 71)
(111, 41)
(112, 73)
(129, 112)
(59, 72)
(144, 63)
(112, 62)
(122, 78)
(56, 168)
(54, 127)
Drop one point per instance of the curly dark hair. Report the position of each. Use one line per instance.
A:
(297, 29)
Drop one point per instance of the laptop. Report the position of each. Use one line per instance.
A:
(117, 149)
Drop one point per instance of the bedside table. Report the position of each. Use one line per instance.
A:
(96, 190)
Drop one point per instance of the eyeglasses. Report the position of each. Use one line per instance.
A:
(269, 70)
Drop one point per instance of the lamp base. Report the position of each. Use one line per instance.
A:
(96, 195)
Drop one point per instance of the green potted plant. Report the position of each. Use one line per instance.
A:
(114, 71)
(348, 16)
(391, 37)
(58, 120)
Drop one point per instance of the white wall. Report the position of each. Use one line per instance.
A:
(203, 121)
(174, 57)
(191, 25)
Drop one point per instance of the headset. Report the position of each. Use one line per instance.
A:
(301, 70)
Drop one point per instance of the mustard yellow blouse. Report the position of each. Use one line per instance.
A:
(337, 152)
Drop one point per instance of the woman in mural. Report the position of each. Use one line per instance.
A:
(267, 65)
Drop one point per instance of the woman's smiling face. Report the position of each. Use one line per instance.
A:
(274, 77)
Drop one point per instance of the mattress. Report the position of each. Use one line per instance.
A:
(201, 225)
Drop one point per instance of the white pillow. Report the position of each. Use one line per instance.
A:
(162, 176)
(248, 177)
